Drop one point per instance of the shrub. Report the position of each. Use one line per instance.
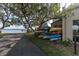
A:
(1, 35)
(66, 42)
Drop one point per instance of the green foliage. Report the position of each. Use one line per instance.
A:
(37, 12)
(66, 42)
(1, 35)
(55, 8)
(67, 12)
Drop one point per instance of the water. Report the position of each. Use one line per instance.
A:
(14, 31)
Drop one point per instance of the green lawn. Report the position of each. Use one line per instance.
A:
(1, 35)
(49, 48)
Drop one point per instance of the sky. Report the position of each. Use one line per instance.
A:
(61, 5)
(64, 4)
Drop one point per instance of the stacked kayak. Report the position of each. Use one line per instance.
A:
(53, 37)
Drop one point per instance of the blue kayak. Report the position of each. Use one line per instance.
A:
(54, 36)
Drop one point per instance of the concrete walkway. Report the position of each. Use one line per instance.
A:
(18, 45)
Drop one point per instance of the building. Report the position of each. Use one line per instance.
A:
(68, 23)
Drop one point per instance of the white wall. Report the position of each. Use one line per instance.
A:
(68, 23)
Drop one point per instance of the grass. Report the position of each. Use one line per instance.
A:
(1, 35)
(49, 48)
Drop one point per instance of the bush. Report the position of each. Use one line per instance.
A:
(1, 35)
(66, 42)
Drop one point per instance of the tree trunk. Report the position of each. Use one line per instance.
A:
(29, 24)
(23, 11)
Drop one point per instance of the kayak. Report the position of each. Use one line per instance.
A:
(53, 36)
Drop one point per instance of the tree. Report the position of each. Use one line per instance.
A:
(31, 14)
(4, 14)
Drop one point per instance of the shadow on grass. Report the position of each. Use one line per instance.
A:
(24, 47)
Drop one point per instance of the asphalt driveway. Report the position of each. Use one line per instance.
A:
(18, 45)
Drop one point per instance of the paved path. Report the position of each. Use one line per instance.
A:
(18, 45)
